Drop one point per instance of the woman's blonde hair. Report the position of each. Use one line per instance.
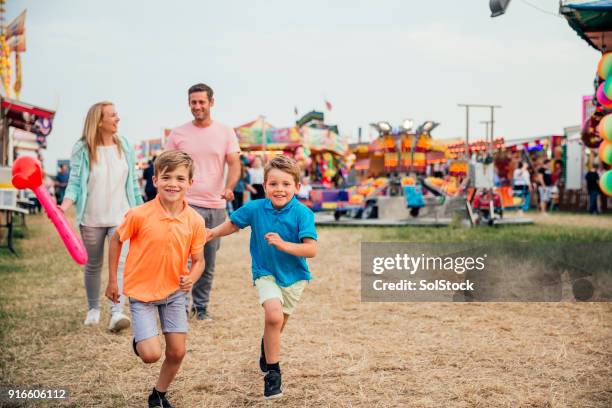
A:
(91, 131)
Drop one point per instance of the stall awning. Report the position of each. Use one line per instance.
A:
(27, 117)
(591, 19)
(18, 106)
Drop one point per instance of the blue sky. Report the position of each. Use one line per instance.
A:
(373, 60)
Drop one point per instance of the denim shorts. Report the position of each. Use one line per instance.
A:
(545, 193)
(171, 311)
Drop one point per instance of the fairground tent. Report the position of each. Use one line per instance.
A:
(591, 19)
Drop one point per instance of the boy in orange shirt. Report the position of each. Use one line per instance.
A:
(163, 233)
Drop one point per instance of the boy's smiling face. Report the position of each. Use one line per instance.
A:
(172, 185)
(280, 187)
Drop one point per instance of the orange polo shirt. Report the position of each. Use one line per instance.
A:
(160, 246)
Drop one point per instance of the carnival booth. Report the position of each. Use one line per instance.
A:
(317, 147)
(592, 23)
(383, 192)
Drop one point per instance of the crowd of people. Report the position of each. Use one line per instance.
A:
(547, 182)
(540, 179)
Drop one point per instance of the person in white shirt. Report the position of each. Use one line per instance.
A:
(256, 174)
(305, 189)
(521, 180)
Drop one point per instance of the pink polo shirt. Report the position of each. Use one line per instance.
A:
(207, 147)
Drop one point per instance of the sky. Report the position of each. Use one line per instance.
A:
(373, 60)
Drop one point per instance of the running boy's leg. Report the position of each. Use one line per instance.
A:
(175, 352)
(144, 325)
(274, 321)
(174, 326)
(149, 350)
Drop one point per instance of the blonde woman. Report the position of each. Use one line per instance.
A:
(102, 186)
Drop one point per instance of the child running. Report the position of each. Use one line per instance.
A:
(163, 233)
(282, 236)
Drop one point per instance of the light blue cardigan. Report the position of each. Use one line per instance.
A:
(79, 176)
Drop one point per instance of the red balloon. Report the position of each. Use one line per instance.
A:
(27, 173)
(590, 132)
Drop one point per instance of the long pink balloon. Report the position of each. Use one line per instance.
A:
(27, 173)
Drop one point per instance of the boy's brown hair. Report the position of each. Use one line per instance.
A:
(285, 164)
(170, 160)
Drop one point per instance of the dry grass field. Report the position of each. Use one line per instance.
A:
(337, 351)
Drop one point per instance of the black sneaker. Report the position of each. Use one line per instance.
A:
(263, 366)
(157, 400)
(134, 346)
(201, 314)
(272, 385)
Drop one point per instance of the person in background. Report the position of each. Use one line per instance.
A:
(49, 184)
(544, 181)
(557, 174)
(102, 186)
(305, 189)
(557, 184)
(521, 181)
(212, 145)
(256, 173)
(61, 179)
(150, 190)
(242, 185)
(592, 179)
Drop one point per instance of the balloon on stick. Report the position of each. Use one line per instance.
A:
(604, 68)
(605, 128)
(607, 88)
(605, 183)
(605, 152)
(27, 173)
(601, 96)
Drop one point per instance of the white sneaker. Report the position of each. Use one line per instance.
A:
(93, 317)
(118, 322)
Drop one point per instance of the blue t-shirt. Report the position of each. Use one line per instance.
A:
(293, 223)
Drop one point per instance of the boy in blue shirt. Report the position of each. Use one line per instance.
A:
(282, 236)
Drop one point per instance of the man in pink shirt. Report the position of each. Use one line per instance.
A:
(211, 145)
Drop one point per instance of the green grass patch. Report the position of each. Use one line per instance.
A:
(484, 234)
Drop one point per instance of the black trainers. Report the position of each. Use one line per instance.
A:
(156, 400)
(134, 346)
(201, 314)
(263, 366)
(272, 385)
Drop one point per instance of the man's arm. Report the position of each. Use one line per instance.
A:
(233, 174)
(307, 249)
(114, 250)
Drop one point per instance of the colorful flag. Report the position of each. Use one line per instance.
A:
(17, 26)
(17, 43)
(328, 105)
(17, 85)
